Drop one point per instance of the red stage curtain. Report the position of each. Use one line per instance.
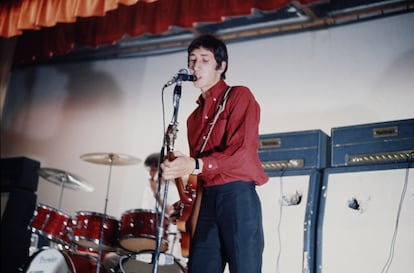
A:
(19, 15)
(50, 27)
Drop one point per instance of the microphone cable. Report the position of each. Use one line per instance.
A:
(278, 232)
(390, 258)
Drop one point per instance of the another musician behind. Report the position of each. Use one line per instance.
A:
(111, 259)
(229, 228)
(149, 202)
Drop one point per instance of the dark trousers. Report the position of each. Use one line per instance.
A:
(229, 230)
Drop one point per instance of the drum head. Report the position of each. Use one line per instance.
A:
(141, 262)
(48, 260)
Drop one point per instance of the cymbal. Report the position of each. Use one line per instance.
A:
(68, 180)
(110, 159)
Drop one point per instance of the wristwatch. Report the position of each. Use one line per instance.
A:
(196, 170)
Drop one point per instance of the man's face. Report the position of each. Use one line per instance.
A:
(203, 65)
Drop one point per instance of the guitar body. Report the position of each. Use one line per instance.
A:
(189, 199)
(187, 221)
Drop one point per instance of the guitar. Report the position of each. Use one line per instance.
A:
(190, 197)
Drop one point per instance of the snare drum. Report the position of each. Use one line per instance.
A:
(51, 260)
(138, 231)
(51, 223)
(142, 262)
(88, 227)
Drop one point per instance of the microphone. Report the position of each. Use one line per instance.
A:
(182, 75)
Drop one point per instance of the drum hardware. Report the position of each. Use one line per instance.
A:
(110, 159)
(49, 222)
(34, 242)
(174, 241)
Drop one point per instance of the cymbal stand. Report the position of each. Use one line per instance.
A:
(98, 268)
(63, 178)
(62, 187)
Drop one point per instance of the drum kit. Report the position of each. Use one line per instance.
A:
(79, 244)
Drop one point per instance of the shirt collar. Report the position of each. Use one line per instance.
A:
(214, 93)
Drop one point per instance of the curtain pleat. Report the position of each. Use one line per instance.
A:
(54, 27)
(19, 15)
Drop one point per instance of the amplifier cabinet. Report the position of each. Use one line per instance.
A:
(289, 209)
(366, 219)
(367, 144)
(19, 172)
(19, 180)
(293, 150)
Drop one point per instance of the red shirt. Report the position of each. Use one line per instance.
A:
(231, 152)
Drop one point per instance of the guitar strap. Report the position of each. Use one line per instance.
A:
(196, 208)
(220, 109)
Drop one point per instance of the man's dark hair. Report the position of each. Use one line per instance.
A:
(213, 44)
(152, 160)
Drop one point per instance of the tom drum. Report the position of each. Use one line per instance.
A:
(88, 228)
(51, 223)
(138, 231)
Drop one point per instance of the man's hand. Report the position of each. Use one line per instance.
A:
(177, 208)
(181, 166)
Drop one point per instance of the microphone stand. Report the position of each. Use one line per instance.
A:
(160, 228)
